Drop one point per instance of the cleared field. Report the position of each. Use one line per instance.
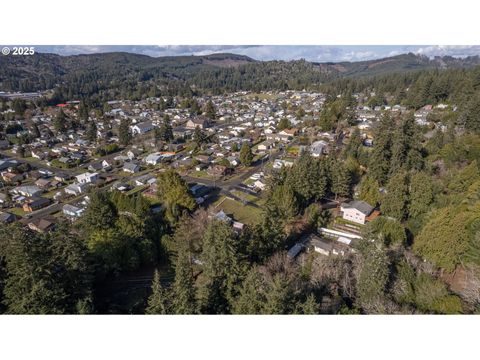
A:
(17, 211)
(243, 213)
(249, 197)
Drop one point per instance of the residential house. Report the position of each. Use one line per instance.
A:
(218, 170)
(154, 159)
(356, 211)
(43, 183)
(203, 159)
(6, 163)
(289, 132)
(266, 145)
(87, 178)
(41, 225)
(72, 211)
(233, 160)
(260, 185)
(11, 177)
(324, 246)
(131, 167)
(7, 218)
(95, 167)
(278, 163)
(75, 189)
(318, 148)
(146, 179)
(200, 122)
(133, 153)
(62, 177)
(36, 204)
(28, 190)
(142, 128)
(106, 165)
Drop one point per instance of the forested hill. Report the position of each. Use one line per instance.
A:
(125, 73)
(400, 63)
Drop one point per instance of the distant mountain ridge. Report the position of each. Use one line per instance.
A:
(97, 72)
(403, 62)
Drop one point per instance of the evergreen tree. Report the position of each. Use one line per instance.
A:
(184, 301)
(250, 299)
(310, 306)
(221, 270)
(354, 146)
(158, 300)
(199, 137)
(308, 178)
(82, 111)
(60, 122)
(421, 194)
(381, 153)
(173, 191)
(284, 123)
(340, 178)
(165, 132)
(92, 132)
(281, 204)
(246, 156)
(369, 191)
(124, 135)
(210, 110)
(100, 213)
(406, 151)
(46, 273)
(395, 202)
(373, 277)
(35, 131)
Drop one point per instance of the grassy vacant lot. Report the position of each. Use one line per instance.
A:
(243, 213)
(249, 197)
(202, 174)
(137, 189)
(17, 211)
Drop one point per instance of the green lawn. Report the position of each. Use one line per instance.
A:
(202, 174)
(340, 220)
(249, 197)
(243, 213)
(17, 211)
(137, 189)
(249, 181)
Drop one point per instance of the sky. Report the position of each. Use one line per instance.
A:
(316, 53)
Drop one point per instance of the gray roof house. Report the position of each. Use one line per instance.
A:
(318, 148)
(131, 167)
(72, 211)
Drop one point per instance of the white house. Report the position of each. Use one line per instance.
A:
(28, 190)
(266, 145)
(72, 211)
(154, 159)
(87, 178)
(106, 165)
(260, 185)
(141, 128)
(318, 148)
(356, 211)
(75, 189)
